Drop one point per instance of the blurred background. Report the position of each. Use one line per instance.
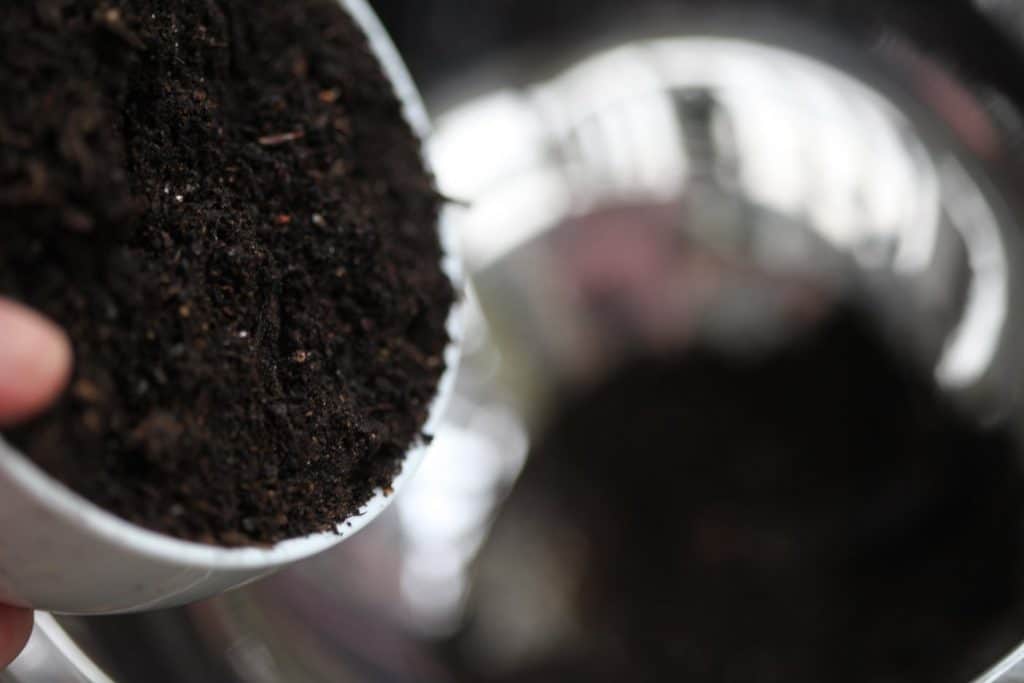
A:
(739, 400)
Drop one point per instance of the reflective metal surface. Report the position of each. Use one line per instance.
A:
(735, 189)
(51, 655)
(732, 190)
(1007, 14)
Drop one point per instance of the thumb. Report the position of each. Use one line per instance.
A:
(35, 361)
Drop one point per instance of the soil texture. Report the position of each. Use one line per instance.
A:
(220, 200)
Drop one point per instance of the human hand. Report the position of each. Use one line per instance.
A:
(35, 361)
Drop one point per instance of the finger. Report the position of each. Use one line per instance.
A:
(15, 628)
(35, 360)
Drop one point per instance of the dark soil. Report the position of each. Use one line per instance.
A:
(221, 202)
(815, 515)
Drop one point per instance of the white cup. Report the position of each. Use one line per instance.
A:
(61, 553)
